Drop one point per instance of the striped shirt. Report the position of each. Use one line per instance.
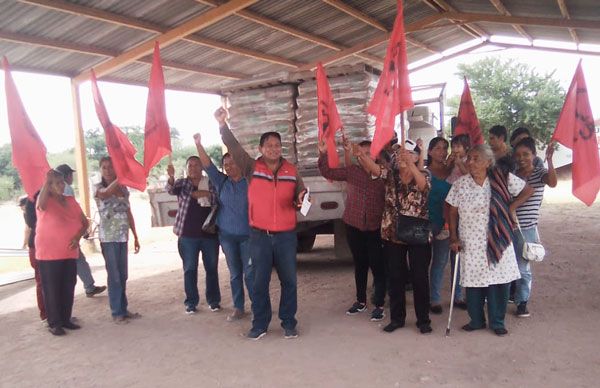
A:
(529, 213)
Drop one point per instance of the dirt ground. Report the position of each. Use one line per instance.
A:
(558, 346)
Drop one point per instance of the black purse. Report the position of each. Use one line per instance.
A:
(210, 223)
(412, 230)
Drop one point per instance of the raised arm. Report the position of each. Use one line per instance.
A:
(204, 158)
(44, 193)
(550, 178)
(334, 174)
(241, 157)
(112, 189)
(366, 161)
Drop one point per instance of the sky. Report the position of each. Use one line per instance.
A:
(47, 99)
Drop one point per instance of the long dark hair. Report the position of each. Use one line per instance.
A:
(432, 143)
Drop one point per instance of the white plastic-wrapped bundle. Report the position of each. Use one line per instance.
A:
(253, 112)
(352, 94)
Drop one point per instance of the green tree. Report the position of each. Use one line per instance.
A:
(510, 93)
(10, 182)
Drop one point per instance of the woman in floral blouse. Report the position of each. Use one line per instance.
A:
(406, 193)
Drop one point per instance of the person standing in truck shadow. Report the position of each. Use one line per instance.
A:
(275, 192)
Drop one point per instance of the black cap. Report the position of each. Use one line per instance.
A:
(64, 169)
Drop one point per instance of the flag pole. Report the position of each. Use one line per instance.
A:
(402, 135)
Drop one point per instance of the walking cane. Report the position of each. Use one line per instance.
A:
(454, 277)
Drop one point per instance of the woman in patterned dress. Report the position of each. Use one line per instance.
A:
(485, 200)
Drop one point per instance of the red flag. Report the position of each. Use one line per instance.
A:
(575, 130)
(393, 94)
(157, 135)
(129, 171)
(28, 150)
(328, 116)
(467, 122)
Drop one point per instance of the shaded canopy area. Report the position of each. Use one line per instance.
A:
(206, 43)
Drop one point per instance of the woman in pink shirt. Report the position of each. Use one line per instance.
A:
(60, 225)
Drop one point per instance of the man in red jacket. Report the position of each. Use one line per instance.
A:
(275, 192)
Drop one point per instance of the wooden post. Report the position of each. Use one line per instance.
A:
(80, 159)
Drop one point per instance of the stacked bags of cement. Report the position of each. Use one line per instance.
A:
(253, 112)
(352, 94)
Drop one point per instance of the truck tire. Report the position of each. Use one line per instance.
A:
(306, 241)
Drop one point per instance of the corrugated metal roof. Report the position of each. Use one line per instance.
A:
(48, 39)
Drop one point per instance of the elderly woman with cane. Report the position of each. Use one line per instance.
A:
(486, 200)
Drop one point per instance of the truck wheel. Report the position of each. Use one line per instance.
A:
(306, 242)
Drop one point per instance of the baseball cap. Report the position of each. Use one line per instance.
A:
(64, 169)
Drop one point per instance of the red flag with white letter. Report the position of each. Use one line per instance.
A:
(328, 116)
(393, 94)
(129, 171)
(28, 150)
(157, 135)
(575, 130)
(467, 122)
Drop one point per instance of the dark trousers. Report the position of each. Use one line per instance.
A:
(267, 251)
(58, 284)
(38, 283)
(367, 253)
(419, 257)
(497, 299)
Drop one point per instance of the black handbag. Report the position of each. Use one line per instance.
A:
(210, 223)
(413, 230)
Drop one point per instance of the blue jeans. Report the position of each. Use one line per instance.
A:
(439, 258)
(84, 273)
(523, 289)
(115, 258)
(237, 254)
(266, 251)
(189, 250)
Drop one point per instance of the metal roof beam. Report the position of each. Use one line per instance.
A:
(366, 45)
(565, 13)
(504, 11)
(442, 6)
(363, 17)
(469, 17)
(98, 51)
(286, 29)
(551, 49)
(113, 18)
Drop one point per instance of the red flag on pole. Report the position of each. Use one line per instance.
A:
(393, 94)
(129, 171)
(157, 135)
(467, 122)
(575, 130)
(328, 116)
(28, 150)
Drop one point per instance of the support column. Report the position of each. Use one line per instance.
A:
(80, 154)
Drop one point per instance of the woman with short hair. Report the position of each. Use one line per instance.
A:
(485, 200)
(60, 225)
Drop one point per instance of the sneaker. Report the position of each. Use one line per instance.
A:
(357, 308)
(290, 333)
(435, 309)
(71, 326)
(97, 290)
(522, 311)
(511, 299)
(120, 320)
(470, 328)
(377, 314)
(189, 310)
(501, 332)
(215, 307)
(58, 331)
(255, 335)
(235, 316)
(130, 315)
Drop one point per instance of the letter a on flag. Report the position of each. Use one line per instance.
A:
(157, 135)
(393, 94)
(28, 150)
(328, 116)
(467, 122)
(129, 171)
(575, 130)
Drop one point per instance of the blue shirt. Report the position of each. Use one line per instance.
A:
(232, 217)
(437, 197)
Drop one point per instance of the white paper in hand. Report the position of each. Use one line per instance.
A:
(305, 203)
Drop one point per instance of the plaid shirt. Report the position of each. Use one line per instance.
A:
(183, 189)
(364, 204)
